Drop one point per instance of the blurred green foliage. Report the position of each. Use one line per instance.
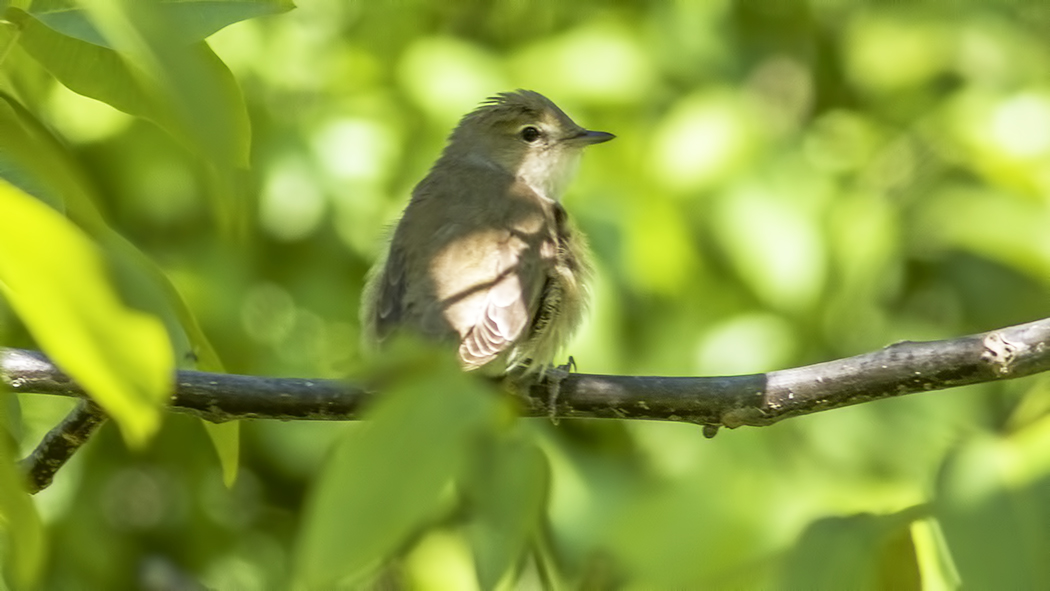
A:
(792, 182)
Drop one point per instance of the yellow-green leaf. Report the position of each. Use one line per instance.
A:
(19, 521)
(55, 279)
(35, 161)
(226, 439)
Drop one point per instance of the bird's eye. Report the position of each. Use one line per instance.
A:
(530, 134)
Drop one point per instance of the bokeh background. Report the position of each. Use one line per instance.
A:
(791, 182)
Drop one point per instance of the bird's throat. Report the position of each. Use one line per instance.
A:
(549, 174)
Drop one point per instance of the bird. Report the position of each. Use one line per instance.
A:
(484, 256)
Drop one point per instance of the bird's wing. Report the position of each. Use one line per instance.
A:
(486, 282)
(501, 314)
(480, 286)
(390, 293)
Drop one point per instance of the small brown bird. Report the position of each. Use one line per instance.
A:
(484, 256)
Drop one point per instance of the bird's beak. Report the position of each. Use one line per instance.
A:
(588, 137)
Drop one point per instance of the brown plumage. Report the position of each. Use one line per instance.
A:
(484, 255)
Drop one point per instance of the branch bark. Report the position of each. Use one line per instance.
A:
(60, 444)
(729, 401)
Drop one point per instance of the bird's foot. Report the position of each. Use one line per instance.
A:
(554, 376)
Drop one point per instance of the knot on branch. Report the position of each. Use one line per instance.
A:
(999, 352)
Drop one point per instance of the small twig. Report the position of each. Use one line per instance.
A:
(60, 444)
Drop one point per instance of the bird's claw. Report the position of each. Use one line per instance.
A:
(555, 376)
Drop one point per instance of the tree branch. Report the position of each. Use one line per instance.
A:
(731, 401)
(763, 399)
(60, 444)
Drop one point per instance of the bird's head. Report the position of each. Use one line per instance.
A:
(527, 135)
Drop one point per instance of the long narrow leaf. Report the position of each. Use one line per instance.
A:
(189, 20)
(19, 520)
(55, 279)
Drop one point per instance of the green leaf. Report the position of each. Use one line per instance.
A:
(55, 279)
(25, 160)
(189, 20)
(226, 439)
(991, 504)
(184, 88)
(145, 286)
(202, 105)
(19, 521)
(508, 494)
(392, 474)
(91, 70)
(855, 552)
(209, 105)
